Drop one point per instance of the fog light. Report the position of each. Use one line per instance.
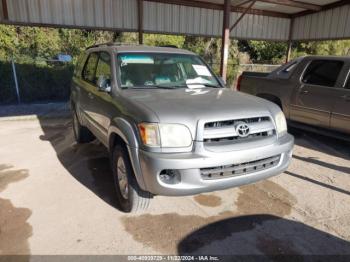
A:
(170, 176)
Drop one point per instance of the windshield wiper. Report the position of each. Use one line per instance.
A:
(170, 87)
(203, 84)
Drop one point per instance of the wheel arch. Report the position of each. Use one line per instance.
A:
(272, 98)
(122, 132)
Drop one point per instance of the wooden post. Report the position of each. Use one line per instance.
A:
(225, 44)
(5, 10)
(140, 20)
(289, 51)
(226, 29)
(290, 41)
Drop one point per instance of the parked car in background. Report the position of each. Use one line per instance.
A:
(313, 91)
(171, 126)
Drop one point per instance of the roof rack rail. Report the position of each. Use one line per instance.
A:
(112, 44)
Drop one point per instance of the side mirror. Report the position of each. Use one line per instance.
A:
(222, 82)
(104, 84)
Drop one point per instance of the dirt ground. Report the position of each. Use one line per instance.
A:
(57, 197)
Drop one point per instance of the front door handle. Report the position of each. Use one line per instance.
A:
(304, 92)
(346, 97)
(90, 96)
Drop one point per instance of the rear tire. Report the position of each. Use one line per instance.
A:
(81, 133)
(131, 198)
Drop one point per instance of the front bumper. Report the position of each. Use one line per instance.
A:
(188, 166)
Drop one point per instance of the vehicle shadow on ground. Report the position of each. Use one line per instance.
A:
(308, 179)
(268, 235)
(321, 143)
(315, 161)
(258, 234)
(87, 163)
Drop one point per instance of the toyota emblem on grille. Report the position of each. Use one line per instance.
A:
(242, 129)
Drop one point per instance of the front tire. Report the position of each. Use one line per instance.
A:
(131, 198)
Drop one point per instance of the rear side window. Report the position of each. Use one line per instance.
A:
(90, 68)
(322, 72)
(79, 65)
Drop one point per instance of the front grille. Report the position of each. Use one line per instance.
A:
(239, 169)
(225, 131)
(232, 122)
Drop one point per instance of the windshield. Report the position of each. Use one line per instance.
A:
(161, 70)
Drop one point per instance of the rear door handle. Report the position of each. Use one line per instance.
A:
(90, 96)
(304, 92)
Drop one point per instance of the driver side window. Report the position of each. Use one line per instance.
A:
(103, 71)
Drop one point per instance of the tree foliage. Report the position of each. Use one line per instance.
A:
(32, 46)
(263, 51)
(338, 48)
(275, 52)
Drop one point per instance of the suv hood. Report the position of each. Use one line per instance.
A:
(188, 106)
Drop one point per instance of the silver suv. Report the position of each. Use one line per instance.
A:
(171, 126)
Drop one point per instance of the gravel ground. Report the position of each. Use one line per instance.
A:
(56, 197)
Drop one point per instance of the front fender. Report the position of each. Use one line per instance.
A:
(126, 132)
(124, 129)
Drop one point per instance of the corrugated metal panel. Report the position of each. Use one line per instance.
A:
(330, 24)
(118, 14)
(174, 19)
(67, 6)
(260, 27)
(17, 10)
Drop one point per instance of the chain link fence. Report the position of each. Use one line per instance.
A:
(265, 68)
(49, 80)
(37, 80)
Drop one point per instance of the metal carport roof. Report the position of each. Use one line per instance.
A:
(278, 20)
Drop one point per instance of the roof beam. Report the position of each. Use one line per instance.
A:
(254, 11)
(291, 3)
(208, 5)
(243, 3)
(242, 15)
(323, 8)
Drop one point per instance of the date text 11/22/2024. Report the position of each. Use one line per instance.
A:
(173, 258)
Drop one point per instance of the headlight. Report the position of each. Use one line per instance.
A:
(174, 135)
(281, 123)
(165, 135)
